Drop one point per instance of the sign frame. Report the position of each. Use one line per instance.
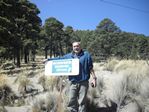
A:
(62, 67)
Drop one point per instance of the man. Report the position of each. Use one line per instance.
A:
(79, 83)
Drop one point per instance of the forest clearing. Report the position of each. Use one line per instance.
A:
(121, 58)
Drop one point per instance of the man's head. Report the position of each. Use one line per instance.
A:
(76, 47)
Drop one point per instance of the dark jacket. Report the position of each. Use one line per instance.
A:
(84, 68)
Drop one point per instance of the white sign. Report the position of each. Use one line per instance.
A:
(62, 67)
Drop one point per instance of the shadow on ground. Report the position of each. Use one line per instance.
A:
(92, 107)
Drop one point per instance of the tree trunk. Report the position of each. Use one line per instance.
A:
(51, 51)
(14, 56)
(61, 49)
(18, 56)
(26, 54)
(46, 52)
(33, 54)
(25, 57)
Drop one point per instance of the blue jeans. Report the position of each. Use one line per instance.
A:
(77, 96)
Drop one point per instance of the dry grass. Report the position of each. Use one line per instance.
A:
(99, 66)
(128, 83)
(3, 80)
(139, 67)
(6, 94)
(52, 82)
(23, 81)
(42, 81)
(144, 88)
(130, 107)
(125, 83)
(49, 102)
(111, 63)
(136, 72)
(116, 89)
(2, 109)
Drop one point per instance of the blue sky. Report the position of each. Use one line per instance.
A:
(128, 15)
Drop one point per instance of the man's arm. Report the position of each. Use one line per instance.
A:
(93, 74)
(94, 83)
(55, 58)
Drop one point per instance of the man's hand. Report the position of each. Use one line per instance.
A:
(94, 82)
(45, 60)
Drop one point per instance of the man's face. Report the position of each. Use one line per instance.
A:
(76, 47)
